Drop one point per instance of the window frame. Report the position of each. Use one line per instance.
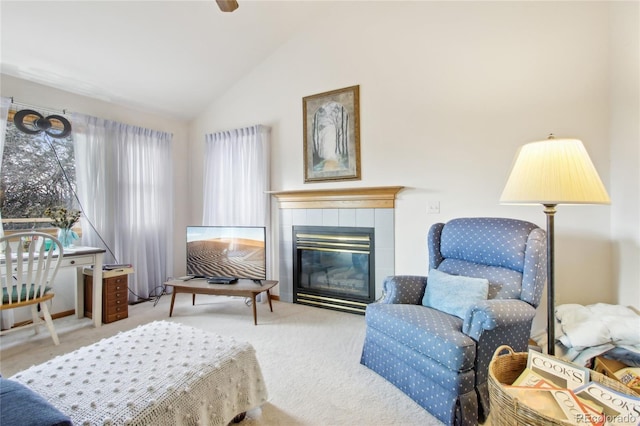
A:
(52, 230)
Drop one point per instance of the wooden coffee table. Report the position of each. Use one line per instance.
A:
(244, 288)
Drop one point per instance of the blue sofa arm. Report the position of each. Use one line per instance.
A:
(405, 289)
(498, 313)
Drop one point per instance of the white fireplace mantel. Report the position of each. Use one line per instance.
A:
(344, 198)
(354, 207)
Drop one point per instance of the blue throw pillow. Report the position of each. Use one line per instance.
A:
(454, 294)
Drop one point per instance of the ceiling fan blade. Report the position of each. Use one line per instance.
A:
(227, 5)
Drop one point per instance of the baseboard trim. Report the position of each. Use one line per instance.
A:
(54, 316)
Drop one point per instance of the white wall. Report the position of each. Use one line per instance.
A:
(47, 97)
(449, 91)
(625, 151)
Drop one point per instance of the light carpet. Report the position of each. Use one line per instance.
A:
(310, 358)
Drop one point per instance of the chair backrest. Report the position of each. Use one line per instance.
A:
(29, 262)
(510, 253)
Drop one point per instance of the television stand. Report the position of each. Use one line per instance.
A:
(243, 288)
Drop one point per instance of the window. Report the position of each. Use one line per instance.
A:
(37, 172)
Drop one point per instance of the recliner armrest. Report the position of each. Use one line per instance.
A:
(496, 313)
(404, 289)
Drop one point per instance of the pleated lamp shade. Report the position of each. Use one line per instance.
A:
(554, 171)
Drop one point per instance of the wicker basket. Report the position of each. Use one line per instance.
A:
(506, 410)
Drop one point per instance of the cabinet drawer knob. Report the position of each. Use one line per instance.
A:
(72, 262)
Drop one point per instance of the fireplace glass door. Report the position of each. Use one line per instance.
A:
(333, 267)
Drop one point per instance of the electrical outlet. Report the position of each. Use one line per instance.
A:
(433, 207)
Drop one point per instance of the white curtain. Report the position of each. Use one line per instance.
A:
(236, 177)
(124, 180)
(6, 319)
(4, 114)
(5, 103)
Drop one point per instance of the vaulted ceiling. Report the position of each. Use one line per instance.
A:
(167, 57)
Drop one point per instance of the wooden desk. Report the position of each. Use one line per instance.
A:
(79, 258)
(245, 288)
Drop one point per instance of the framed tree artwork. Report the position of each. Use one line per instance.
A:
(332, 135)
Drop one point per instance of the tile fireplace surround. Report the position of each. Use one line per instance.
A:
(354, 207)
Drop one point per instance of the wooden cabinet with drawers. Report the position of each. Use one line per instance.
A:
(115, 295)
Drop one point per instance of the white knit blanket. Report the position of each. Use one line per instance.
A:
(588, 331)
(161, 373)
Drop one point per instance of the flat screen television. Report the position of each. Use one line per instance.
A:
(228, 251)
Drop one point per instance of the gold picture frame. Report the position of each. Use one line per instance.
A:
(332, 135)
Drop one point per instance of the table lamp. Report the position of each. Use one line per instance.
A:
(552, 172)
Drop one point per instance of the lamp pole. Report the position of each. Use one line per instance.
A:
(550, 211)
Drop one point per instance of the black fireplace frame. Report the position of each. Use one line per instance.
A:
(344, 239)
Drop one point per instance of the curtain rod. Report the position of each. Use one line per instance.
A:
(37, 107)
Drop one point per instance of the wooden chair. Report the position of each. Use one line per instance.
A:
(29, 263)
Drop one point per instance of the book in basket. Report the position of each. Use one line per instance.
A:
(560, 404)
(553, 386)
(618, 408)
(561, 373)
(532, 379)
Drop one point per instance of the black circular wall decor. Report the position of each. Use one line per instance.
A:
(42, 124)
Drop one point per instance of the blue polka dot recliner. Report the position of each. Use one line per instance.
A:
(433, 337)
